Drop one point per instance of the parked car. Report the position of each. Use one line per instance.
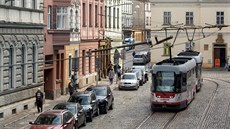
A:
(104, 96)
(139, 59)
(54, 119)
(76, 109)
(144, 68)
(140, 76)
(129, 81)
(88, 101)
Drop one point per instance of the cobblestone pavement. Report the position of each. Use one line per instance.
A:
(210, 109)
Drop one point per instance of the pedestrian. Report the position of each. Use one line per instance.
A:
(134, 53)
(39, 100)
(74, 80)
(119, 73)
(71, 87)
(111, 76)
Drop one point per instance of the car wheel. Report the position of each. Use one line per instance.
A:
(84, 122)
(90, 118)
(111, 106)
(106, 108)
(76, 125)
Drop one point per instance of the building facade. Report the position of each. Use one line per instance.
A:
(21, 54)
(72, 50)
(127, 18)
(139, 22)
(113, 27)
(92, 30)
(213, 43)
(58, 16)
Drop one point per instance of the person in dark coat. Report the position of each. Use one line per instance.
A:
(71, 87)
(39, 100)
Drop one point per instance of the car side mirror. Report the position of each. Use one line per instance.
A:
(93, 101)
(109, 94)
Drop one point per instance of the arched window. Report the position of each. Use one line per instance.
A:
(71, 19)
(34, 63)
(11, 67)
(23, 65)
(76, 20)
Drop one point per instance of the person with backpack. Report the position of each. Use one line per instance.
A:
(39, 100)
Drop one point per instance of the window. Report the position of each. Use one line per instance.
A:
(75, 61)
(90, 16)
(76, 19)
(83, 61)
(96, 16)
(11, 67)
(34, 4)
(220, 18)
(167, 18)
(101, 15)
(1, 70)
(118, 22)
(90, 58)
(23, 65)
(109, 17)
(34, 63)
(9, 2)
(62, 18)
(49, 17)
(106, 17)
(114, 17)
(150, 21)
(147, 21)
(165, 81)
(166, 49)
(206, 47)
(23, 3)
(71, 19)
(70, 65)
(84, 15)
(189, 18)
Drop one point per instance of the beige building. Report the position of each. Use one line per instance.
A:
(213, 43)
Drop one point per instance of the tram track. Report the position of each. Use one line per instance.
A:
(208, 108)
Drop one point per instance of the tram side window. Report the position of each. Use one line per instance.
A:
(184, 82)
(153, 82)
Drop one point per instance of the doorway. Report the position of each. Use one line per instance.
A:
(219, 55)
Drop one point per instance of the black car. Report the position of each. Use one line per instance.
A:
(104, 96)
(88, 101)
(76, 109)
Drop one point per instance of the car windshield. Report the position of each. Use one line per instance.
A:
(67, 107)
(128, 77)
(165, 81)
(84, 100)
(48, 120)
(100, 92)
(138, 56)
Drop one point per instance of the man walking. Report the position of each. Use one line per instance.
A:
(39, 100)
(71, 87)
(111, 76)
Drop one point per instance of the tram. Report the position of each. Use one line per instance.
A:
(173, 83)
(199, 61)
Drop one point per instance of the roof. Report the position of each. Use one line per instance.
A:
(53, 112)
(177, 65)
(194, 54)
(66, 103)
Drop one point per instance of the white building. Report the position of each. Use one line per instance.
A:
(127, 18)
(113, 25)
(213, 43)
(21, 54)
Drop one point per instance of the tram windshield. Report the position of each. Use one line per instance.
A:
(165, 81)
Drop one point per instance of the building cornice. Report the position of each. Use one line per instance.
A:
(20, 8)
(4, 24)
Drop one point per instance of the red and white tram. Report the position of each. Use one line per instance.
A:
(173, 83)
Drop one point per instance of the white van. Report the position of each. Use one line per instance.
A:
(144, 68)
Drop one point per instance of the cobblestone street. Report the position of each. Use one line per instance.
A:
(210, 109)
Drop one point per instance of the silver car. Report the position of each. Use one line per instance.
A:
(139, 58)
(129, 81)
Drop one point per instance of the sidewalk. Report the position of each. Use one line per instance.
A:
(21, 120)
